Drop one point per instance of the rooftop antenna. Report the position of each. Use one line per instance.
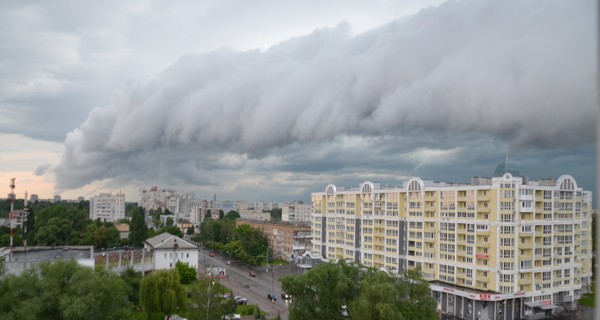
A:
(12, 214)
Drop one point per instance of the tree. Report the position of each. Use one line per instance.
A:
(418, 302)
(161, 291)
(368, 293)
(170, 221)
(64, 290)
(133, 279)
(321, 292)
(187, 274)
(190, 231)
(221, 214)
(138, 230)
(232, 215)
(208, 297)
(276, 214)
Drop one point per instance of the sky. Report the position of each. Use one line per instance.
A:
(273, 100)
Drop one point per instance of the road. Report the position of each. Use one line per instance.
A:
(255, 289)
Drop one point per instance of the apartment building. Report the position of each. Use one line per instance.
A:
(497, 248)
(294, 212)
(286, 240)
(107, 207)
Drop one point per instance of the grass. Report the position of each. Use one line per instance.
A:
(587, 300)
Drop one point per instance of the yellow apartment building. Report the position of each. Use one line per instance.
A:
(497, 248)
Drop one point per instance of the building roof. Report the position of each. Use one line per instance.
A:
(168, 241)
(123, 227)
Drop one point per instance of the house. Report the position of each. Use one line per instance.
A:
(123, 230)
(169, 249)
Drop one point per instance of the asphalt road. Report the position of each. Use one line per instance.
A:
(255, 289)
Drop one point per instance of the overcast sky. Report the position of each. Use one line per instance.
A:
(273, 100)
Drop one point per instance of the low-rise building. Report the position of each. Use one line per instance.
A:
(169, 249)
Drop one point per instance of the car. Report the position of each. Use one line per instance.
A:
(285, 296)
(240, 300)
(252, 274)
(212, 254)
(176, 317)
(232, 316)
(345, 311)
(271, 297)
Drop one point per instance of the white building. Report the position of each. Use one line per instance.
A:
(295, 212)
(107, 207)
(169, 249)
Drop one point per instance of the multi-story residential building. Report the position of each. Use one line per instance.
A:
(501, 247)
(107, 207)
(286, 240)
(33, 198)
(294, 212)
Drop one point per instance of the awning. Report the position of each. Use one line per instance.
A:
(533, 304)
(548, 307)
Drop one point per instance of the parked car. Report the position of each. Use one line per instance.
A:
(271, 297)
(212, 254)
(232, 316)
(285, 296)
(240, 300)
(345, 311)
(176, 317)
(252, 274)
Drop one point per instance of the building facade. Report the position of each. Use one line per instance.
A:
(294, 212)
(107, 207)
(286, 240)
(169, 249)
(498, 248)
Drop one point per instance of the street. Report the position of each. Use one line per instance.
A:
(255, 289)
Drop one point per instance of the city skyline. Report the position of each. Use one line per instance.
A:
(267, 102)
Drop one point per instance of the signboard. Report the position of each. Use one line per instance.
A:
(481, 256)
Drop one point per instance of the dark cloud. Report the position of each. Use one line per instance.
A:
(41, 170)
(432, 94)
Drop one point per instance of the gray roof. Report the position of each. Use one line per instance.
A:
(168, 241)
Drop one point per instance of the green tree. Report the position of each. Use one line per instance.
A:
(369, 294)
(190, 231)
(161, 291)
(208, 301)
(321, 292)
(138, 229)
(64, 290)
(133, 279)
(418, 302)
(187, 274)
(170, 221)
(232, 215)
(276, 214)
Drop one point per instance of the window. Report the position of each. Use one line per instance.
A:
(546, 276)
(507, 230)
(547, 194)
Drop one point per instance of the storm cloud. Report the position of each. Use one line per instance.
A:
(411, 91)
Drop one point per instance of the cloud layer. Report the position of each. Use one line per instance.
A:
(410, 90)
